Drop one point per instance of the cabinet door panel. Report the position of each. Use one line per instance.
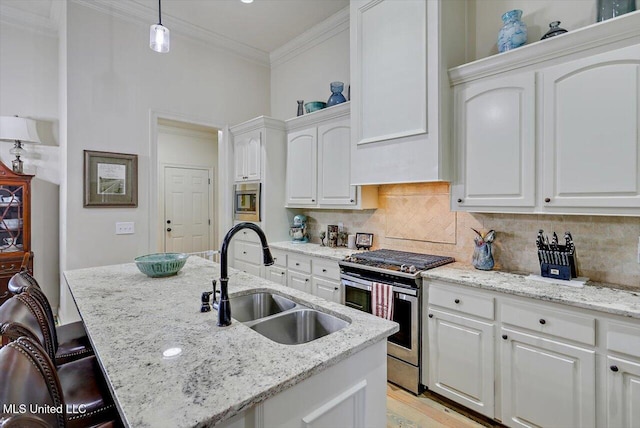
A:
(326, 289)
(546, 383)
(591, 131)
(461, 363)
(392, 99)
(276, 274)
(334, 158)
(240, 156)
(302, 167)
(299, 281)
(253, 169)
(496, 142)
(623, 393)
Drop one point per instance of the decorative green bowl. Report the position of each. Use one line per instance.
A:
(161, 264)
(314, 106)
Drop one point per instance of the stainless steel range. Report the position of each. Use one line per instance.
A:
(402, 270)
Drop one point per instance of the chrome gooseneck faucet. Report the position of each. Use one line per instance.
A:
(224, 309)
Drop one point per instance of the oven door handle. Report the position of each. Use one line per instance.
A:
(354, 305)
(350, 281)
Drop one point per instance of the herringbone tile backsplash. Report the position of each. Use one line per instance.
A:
(416, 217)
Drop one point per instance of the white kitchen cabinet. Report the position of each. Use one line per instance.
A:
(247, 154)
(400, 93)
(622, 366)
(276, 274)
(591, 140)
(318, 163)
(302, 164)
(460, 351)
(556, 123)
(495, 143)
(545, 382)
(623, 392)
(461, 360)
(326, 279)
(334, 165)
(327, 289)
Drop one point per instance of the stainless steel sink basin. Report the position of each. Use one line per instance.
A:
(258, 305)
(299, 326)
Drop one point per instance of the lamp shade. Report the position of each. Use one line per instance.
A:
(159, 38)
(14, 128)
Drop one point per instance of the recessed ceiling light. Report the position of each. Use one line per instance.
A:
(247, 1)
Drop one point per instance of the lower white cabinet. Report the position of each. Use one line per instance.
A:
(545, 382)
(623, 392)
(461, 363)
(351, 393)
(313, 275)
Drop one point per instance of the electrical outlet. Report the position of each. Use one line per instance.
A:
(124, 228)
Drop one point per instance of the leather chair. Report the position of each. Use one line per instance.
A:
(69, 340)
(28, 376)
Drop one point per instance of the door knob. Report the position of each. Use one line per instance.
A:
(168, 229)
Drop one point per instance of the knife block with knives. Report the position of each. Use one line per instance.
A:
(556, 261)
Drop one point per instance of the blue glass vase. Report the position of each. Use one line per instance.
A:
(336, 94)
(513, 33)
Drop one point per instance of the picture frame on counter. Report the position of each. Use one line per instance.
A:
(110, 180)
(364, 241)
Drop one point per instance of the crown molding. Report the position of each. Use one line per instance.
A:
(317, 34)
(139, 14)
(342, 110)
(258, 123)
(613, 33)
(29, 21)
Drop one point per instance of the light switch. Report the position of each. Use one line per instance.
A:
(124, 228)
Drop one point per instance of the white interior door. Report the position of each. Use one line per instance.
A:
(186, 208)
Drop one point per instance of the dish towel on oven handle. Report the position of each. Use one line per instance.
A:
(382, 300)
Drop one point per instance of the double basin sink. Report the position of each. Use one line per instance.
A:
(283, 320)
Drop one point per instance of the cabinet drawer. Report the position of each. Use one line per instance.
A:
(299, 281)
(279, 258)
(251, 268)
(572, 326)
(247, 252)
(623, 338)
(276, 274)
(326, 269)
(456, 299)
(299, 263)
(248, 236)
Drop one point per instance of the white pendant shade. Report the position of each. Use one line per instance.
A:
(13, 128)
(159, 38)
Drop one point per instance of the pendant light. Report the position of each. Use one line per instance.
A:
(159, 35)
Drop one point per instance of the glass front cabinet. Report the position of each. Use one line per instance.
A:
(15, 226)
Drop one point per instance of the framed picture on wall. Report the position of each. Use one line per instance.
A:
(110, 180)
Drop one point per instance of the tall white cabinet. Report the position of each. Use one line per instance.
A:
(400, 51)
(259, 153)
(552, 127)
(319, 162)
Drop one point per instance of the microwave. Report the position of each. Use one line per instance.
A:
(246, 202)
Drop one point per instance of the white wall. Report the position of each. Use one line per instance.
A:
(307, 76)
(29, 88)
(537, 14)
(114, 83)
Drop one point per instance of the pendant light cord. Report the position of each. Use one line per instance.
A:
(160, 12)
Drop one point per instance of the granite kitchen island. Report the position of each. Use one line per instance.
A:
(168, 364)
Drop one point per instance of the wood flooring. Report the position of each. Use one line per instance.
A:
(405, 410)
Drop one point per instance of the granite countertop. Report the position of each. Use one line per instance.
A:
(595, 296)
(132, 319)
(314, 250)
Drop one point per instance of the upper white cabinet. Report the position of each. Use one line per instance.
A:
(399, 88)
(495, 137)
(247, 156)
(591, 140)
(552, 127)
(318, 162)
